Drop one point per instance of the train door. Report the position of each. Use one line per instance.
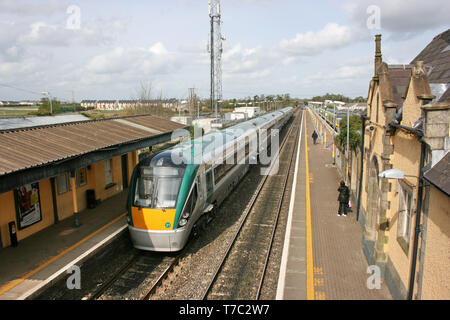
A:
(209, 183)
(202, 185)
(125, 171)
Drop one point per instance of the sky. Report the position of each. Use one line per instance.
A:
(107, 49)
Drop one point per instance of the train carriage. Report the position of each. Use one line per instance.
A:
(174, 194)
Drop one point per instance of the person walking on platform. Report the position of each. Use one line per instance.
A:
(343, 198)
(315, 136)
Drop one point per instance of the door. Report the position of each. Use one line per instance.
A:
(201, 184)
(125, 171)
(209, 183)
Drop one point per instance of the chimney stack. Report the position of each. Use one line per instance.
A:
(378, 59)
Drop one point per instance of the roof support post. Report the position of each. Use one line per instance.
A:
(55, 203)
(74, 199)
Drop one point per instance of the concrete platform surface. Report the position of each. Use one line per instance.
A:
(332, 265)
(44, 257)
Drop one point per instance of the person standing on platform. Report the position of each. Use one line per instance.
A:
(315, 136)
(343, 198)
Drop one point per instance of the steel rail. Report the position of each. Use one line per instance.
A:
(272, 237)
(162, 276)
(99, 292)
(247, 212)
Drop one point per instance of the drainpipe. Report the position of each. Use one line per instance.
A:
(425, 206)
(417, 227)
(363, 128)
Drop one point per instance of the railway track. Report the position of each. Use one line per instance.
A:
(241, 272)
(138, 278)
(143, 274)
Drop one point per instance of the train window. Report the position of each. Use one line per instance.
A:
(209, 181)
(218, 172)
(221, 170)
(194, 196)
(167, 192)
(158, 189)
(190, 203)
(144, 194)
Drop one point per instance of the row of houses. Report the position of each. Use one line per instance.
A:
(400, 178)
(19, 103)
(129, 104)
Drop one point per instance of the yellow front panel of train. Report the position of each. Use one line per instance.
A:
(153, 219)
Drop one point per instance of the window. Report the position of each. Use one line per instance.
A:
(190, 203)
(63, 183)
(81, 177)
(209, 181)
(194, 195)
(108, 172)
(405, 217)
(144, 192)
(167, 192)
(158, 188)
(221, 170)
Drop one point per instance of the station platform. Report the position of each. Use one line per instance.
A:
(324, 259)
(43, 258)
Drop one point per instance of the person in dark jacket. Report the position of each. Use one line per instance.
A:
(343, 198)
(315, 136)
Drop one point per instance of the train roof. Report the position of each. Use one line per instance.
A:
(205, 145)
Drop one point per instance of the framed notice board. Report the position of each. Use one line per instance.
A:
(28, 205)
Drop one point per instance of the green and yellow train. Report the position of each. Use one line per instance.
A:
(174, 194)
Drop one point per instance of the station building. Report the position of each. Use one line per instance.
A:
(406, 219)
(49, 173)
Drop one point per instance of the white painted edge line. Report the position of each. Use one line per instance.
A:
(287, 236)
(63, 269)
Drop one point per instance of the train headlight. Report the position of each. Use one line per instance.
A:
(185, 215)
(182, 222)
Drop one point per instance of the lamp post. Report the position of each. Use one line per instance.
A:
(198, 109)
(46, 93)
(348, 143)
(395, 174)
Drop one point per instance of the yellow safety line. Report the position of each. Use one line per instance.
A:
(45, 264)
(309, 249)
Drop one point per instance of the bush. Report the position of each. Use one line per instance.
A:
(44, 108)
(354, 136)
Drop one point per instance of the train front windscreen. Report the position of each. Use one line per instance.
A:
(158, 187)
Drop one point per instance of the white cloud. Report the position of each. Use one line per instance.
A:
(41, 33)
(135, 60)
(251, 61)
(345, 73)
(15, 7)
(400, 18)
(332, 36)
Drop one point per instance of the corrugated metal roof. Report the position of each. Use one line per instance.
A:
(33, 121)
(26, 148)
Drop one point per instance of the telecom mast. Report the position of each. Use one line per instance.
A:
(215, 49)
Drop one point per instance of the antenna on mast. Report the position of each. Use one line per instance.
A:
(215, 49)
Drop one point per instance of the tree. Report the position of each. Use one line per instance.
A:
(354, 136)
(44, 108)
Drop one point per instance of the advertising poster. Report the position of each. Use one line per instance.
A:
(28, 205)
